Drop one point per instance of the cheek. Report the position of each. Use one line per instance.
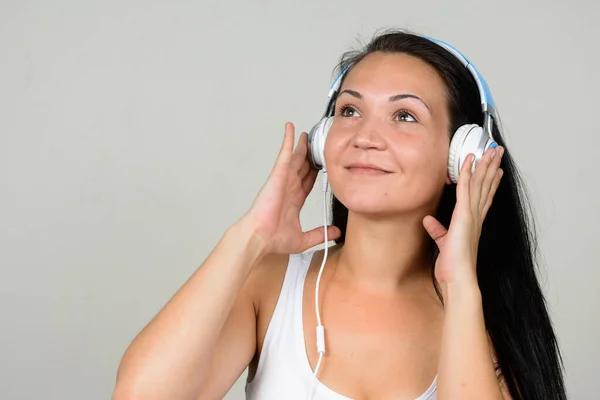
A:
(424, 172)
(423, 177)
(437, 149)
(333, 148)
(435, 158)
(423, 156)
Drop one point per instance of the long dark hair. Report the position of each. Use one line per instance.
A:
(514, 306)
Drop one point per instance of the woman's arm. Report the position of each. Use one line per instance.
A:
(208, 329)
(466, 367)
(172, 356)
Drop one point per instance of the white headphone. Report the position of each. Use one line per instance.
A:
(470, 138)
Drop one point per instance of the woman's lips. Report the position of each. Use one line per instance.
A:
(366, 171)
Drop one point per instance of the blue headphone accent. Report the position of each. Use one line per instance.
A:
(484, 90)
(470, 138)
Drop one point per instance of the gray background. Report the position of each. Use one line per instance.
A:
(133, 133)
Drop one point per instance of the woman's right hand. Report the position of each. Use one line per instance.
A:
(274, 216)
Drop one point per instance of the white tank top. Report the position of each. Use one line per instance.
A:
(283, 370)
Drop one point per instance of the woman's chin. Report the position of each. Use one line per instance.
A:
(377, 204)
(371, 204)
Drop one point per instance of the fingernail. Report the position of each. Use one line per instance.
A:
(493, 154)
(501, 151)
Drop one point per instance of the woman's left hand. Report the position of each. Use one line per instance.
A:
(458, 244)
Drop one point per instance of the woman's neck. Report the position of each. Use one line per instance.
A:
(382, 255)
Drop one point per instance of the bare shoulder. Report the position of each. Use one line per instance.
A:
(265, 283)
(266, 279)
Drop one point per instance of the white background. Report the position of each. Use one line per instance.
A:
(133, 133)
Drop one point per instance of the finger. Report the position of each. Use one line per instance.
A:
(435, 229)
(309, 181)
(287, 146)
(478, 178)
(317, 236)
(304, 169)
(300, 153)
(494, 188)
(490, 175)
(464, 176)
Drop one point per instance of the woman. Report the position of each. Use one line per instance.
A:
(429, 292)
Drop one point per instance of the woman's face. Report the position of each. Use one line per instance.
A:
(391, 113)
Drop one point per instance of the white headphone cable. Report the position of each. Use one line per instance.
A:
(320, 329)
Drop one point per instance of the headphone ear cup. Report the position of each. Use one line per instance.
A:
(316, 142)
(466, 140)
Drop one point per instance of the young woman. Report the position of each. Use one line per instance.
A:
(430, 290)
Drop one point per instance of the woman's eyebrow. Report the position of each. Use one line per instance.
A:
(396, 97)
(408, 95)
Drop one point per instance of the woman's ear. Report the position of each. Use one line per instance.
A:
(448, 180)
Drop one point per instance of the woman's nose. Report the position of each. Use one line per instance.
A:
(367, 137)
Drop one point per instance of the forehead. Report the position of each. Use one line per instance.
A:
(392, 73)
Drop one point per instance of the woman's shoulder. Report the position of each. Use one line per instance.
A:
(267, 278)
(265, 283)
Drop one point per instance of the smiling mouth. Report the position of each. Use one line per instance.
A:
(366, 171)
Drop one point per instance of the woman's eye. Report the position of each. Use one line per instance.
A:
(348, 111)
(405, 116)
